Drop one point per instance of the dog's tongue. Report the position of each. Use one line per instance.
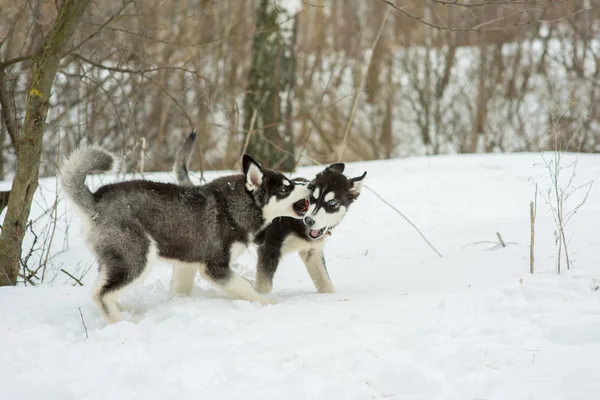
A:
(314, 232)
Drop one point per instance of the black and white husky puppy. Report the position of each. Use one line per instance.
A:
(130, 224)
(332, 193)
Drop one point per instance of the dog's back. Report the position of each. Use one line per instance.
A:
(185, 222)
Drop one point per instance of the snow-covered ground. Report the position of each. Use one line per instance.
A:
(404, 323)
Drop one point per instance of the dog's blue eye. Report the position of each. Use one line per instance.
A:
(332, 203)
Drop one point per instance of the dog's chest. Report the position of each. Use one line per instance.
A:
(293, 243)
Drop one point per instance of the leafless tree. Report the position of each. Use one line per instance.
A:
(44, 64)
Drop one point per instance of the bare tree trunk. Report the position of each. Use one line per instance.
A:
(44, 64)
(387, 136)
(480, 113)
(268, 80)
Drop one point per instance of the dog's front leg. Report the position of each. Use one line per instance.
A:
(315, 265)
(268, 260)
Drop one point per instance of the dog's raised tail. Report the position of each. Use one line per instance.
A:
(182, 159)
(76, 167)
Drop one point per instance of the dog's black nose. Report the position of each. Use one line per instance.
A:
(308, 221)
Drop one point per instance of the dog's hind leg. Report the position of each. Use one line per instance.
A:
(123, 260)
(315, 265)
(182, 280)
(236, 286)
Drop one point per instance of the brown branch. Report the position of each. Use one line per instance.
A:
(525, 3)
(8, 63)
(97, 32)
(247, 141)
(310, 131)
(405, 218)
(71, 276)
(54, 219)
(532, 233)
(361, 86)
(500, 239)
(177, 102)
(485, 3)
(249, 35)
(13, 61)
(27, 279)
(8, 112)
(12, 24)
(134, 71)
(83, 322)
(264, 137)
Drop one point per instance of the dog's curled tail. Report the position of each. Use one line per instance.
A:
(76, 167)
(182, 159)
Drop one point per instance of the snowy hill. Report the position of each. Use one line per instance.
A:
(404, 323)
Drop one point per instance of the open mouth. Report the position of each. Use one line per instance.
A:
(300, 207)
(317, 233)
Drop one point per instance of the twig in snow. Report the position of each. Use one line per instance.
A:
(532, 213)
(405, 218)
(71, 276)
(83, 322)
(500, 239)
(26, 279)
(558, 195)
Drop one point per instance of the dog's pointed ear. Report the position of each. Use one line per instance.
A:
(253, 172)
(337, 167)
(356, 184)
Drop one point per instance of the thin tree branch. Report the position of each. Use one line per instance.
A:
(405, 218)
(8, 112)
(361, 86)
(533, 4)
(71, 276)
(108, 21)
(8, 63)
(247, 141)
(13, 61)
(83, 322)
(134, 71)
(177, 102)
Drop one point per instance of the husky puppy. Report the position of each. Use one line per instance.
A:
(332, 193)
(130, 224)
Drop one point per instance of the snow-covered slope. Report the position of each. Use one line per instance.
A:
(404, 324)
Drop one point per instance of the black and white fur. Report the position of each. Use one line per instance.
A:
(332, 193)
(131, 224)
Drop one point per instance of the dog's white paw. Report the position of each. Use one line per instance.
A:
(326, 289)
(268, 300)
